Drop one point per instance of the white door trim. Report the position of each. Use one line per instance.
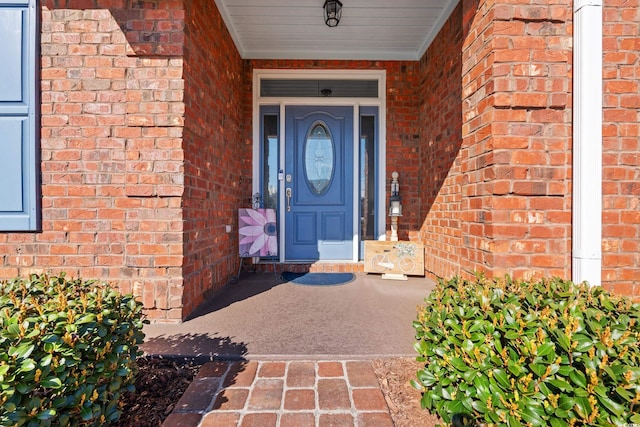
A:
(356, 103)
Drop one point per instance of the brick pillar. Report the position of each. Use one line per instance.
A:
(111, 150)
(516, 139)
(621, 148)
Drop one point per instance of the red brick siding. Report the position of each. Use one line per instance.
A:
(403, 143)
(111, 164)
(621, 147)
(216, 170)
(516, 128)
(403, 133)
(152, 27)
(441, 139)
(477, 117)
(114, 94)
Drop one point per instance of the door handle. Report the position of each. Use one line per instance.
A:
(288, 194)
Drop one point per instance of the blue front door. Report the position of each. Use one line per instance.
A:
(318, 183)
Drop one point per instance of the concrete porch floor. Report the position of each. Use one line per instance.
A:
(261, 318)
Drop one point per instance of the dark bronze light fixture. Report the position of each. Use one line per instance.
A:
(332, 12)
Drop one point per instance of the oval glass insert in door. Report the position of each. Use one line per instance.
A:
(319, 158)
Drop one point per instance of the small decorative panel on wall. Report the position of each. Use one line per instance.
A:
(394, 257)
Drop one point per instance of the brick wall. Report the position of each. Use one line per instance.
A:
(621, 147)
(151, 27)
(217, 161)
(403, 143)
(403, 134)
(515, 158)
(441, 139)
(516, 140)
(111, 153)
(142, 150)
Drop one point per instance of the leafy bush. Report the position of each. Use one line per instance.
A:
(546, 353)
(67, 350)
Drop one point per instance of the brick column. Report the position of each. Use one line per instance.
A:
(621, 148)
(517, 139)
(112, 150)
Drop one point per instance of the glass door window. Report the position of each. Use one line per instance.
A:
(367, 165)
(269, 166)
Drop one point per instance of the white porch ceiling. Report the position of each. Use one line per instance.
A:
(369, 29)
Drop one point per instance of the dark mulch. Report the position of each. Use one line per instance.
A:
(159, 385)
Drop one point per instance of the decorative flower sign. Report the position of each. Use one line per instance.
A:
(258, 232)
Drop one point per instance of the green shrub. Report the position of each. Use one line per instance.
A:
(546, 353)
(67, 350)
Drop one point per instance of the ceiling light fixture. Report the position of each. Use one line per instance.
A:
(332, 12)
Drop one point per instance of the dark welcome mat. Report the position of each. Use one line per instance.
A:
(318, 279)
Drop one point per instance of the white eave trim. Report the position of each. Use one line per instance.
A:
(229, 24)
(444, 17)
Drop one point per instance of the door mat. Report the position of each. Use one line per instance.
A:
(317, 279)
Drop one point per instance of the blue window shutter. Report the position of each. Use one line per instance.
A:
(19, 117)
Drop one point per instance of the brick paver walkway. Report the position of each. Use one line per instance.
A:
(282, 394)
